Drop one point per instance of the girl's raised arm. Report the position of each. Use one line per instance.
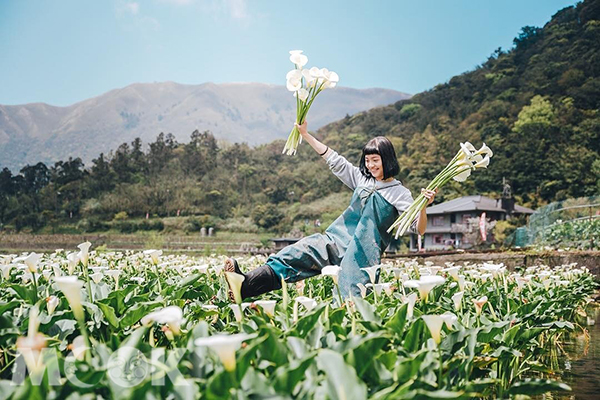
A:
(319, 147)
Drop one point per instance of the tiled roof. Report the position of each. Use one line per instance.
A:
(473, 203)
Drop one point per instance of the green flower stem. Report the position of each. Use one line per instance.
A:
(35, 287)
(87, 281)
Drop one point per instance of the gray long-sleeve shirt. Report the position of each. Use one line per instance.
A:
(393, 191)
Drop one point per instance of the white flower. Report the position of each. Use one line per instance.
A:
(332, 80)
(307, 302)
(425, 285)
(294, 80)
(238, 309)
(309, 79)
(298, 58)
(51, 304)
(172, 316)
(485, 150)
(479, 303)
(225, 346)
(268, 306)
(235, 284)
(30, 260)
(302, 94)
(71, 288)
(483, 163)
(434, 323)
(97, 277)
(462, 176)
(154, 254)
(372, 272)
(6, 270)
(457, 299)
(73, 260)
(452, 271)
(332, 271)
(411, 299)
(78, 348)
(450, 319)
(378, 287)
(84, 252)
(363, 290)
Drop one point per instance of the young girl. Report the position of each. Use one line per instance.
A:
(355, 240)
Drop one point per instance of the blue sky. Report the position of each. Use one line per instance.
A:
(63, 51)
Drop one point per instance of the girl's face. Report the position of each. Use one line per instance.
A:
(374, 165)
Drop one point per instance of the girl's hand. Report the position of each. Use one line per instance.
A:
(429, 194)
(303, 128)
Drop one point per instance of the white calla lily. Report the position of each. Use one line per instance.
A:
(171, 316)
(71, 287)
(332, 271)
(224, 346)
(268, 306)
(235, 284)
(434, 323)
(457, 300)
(84, 253)
(425, 285)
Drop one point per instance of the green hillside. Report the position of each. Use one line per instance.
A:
(536, 105)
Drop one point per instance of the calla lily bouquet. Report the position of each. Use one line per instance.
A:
(459, 168)
(306, 85)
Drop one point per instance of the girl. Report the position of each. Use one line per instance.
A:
(355, 240)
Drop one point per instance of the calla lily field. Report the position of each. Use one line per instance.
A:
(88, 324)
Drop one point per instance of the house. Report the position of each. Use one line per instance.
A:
(446, 221)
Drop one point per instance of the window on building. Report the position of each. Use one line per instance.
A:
(438, 220)
(438, 239)
(465, 218)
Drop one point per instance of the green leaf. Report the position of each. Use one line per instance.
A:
(109, 314)
(11, 305)
(23, 292)
(341, 379)
(135, 313)
(307, 322)
(288, 376)
(398, 321)
(366, 310)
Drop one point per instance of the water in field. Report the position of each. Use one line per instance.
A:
(581, 370)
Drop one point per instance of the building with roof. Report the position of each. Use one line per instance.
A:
(446, 221)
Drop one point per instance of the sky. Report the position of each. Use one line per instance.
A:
(64, 51)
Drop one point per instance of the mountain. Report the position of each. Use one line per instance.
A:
(537, 105)
(237, 112)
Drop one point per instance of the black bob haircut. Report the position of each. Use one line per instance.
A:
(382, 146)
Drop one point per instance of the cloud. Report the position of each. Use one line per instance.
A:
(236, 8)
(133, 8)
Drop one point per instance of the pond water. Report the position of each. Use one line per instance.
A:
(581, 369)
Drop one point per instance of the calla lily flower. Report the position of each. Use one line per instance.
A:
(463, 175)
(378, 287)
(372, 272)
(483, 163)
(268, 306)
(332, 271)
(485, 150)
(302, 94)
(449, 319)
(363, 290)
(235, 284)
(452, 271)
(30, 346)
(224, 346)
(71, 288)
(154, 254)
(457, 299)
(172, 316)
(238, 309)
(97, 277)
(479, 303)
(434, 323)
(30, 260)
(411, 299)
(425, 285)
(84, 254)
(298, 58)
(78, 348)
(6, 270)
(307, 302)
(73, 260)
(51, 304)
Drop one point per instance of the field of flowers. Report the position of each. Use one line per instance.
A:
(88, 324)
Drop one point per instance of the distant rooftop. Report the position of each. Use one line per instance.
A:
(474, 203)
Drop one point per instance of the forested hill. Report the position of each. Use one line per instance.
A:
(536, 105)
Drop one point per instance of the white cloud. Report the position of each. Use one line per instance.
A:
(237, 8)
(133, 8)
